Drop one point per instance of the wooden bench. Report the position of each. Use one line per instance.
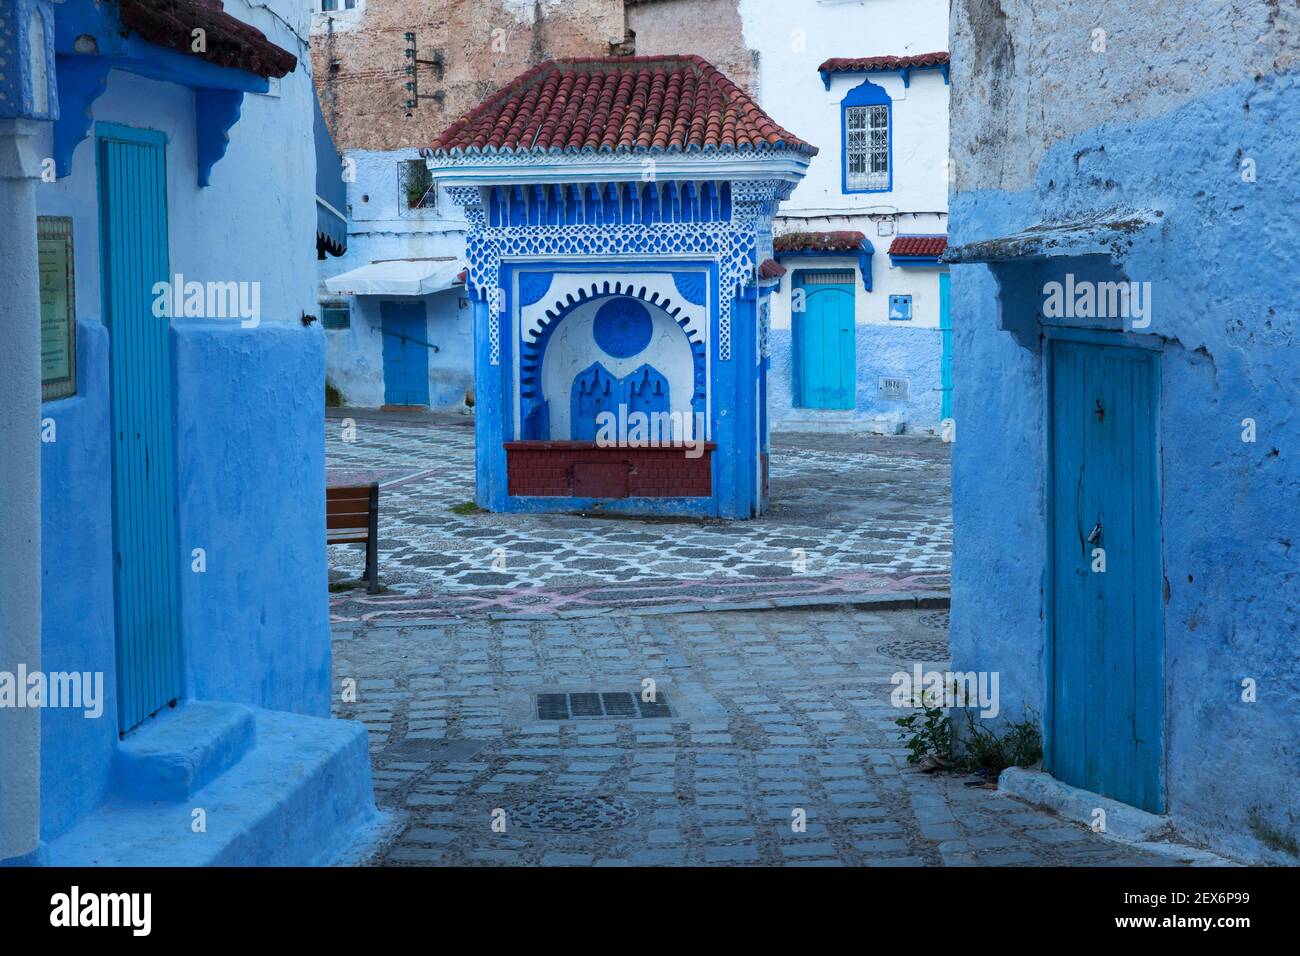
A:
(352, 517)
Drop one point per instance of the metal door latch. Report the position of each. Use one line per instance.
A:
(1094, 534)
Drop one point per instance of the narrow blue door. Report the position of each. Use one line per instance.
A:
(945, 346)
(133, 251)
(1107, 640)
(406, 353)
(825, 359)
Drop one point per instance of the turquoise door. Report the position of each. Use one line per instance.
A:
(133, 252)
(945, 346)
(1107, 647)
(406, 355)
(825, 362)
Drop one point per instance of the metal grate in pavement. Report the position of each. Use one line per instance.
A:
(608, 704)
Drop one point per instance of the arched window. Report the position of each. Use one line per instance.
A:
(866, 117)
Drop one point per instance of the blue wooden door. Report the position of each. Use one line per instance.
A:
(945, 347)
(406, 353)
(133, 251)
(1107, 645)
(825, 360)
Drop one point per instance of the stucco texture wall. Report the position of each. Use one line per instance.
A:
(708, 28)
(1044, 129)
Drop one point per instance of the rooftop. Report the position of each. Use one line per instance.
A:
(871, 64)
(229, 41)
(621, 104)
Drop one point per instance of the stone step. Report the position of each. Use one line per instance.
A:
(300, 796)
(179, 752)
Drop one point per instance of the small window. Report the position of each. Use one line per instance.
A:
(331, 5)
(58, 307)
(335, 315)
(866, 147)
(900, 308)
(418, 188)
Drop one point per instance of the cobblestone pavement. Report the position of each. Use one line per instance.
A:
(773, 714)
(849, 514)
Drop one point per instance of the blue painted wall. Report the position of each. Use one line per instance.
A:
(77, 583)
(1223, 265)
(255, 625)
(883, 351)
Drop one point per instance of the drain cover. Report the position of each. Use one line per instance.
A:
(572, 814)
(601, 704)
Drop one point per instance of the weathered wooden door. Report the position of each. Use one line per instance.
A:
(406, 353)
(1107, 644)
(133, 251)
(825, 360)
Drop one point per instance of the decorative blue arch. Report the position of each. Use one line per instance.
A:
(865, 94)
(535, 416)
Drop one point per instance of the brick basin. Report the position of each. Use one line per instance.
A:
(575, 469)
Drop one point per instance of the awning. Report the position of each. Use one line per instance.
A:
(331, 192)
(398, 277)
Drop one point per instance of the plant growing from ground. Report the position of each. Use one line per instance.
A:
(1020, 746)
(926, 732)
(333, 397)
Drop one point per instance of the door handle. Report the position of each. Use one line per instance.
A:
(1095, 533)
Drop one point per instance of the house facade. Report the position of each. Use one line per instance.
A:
(861, 326)
(1125, 476)
(391, 78)
(620, 264)
(165, 678)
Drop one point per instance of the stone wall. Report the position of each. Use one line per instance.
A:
(359, 55)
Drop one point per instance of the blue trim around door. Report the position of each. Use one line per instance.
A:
(945, 347)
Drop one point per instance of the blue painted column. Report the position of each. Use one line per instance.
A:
(20, 486)
(490, 480)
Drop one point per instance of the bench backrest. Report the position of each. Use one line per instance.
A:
(347, 510)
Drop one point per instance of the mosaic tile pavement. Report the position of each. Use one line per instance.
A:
(849, 514)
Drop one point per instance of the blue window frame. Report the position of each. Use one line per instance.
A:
(866, 131)
(900, 308)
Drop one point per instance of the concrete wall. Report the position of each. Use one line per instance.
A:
(1166, 115)
(249, 429)
(382, 226)
(708, 28)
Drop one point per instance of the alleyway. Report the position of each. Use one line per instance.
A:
(765, 718)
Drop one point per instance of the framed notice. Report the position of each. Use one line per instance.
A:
(58, 308)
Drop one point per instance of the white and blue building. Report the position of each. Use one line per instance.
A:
(165, 665)
(861, 324)
(1126, 470)
(615, 268)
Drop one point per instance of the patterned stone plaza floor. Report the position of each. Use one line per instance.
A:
(776, 716)
(849, 514)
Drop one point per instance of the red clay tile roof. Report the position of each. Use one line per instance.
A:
(843, 241)
(230, 42)
(623, 104)
(869, 64)
(771, 269)
(918, 246)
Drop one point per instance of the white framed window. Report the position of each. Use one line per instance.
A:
(866, 147)
(328, 6)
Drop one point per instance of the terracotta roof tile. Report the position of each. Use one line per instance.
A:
(869, 64)
(918, 246)
(842, 241)
(771, 269)
(230, 42)
(618, 104)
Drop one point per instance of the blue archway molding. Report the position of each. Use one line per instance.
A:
(865, 94)
(535, 418)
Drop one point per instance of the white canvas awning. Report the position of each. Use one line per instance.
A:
(398, 277)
